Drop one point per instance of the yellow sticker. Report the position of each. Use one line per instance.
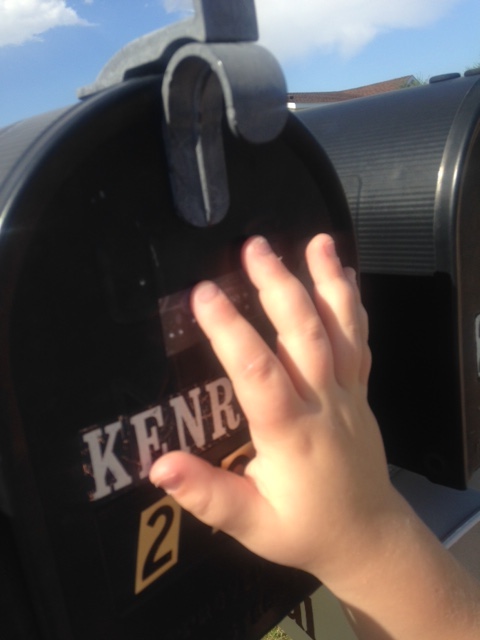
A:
(236, 463)
(158, 541)
(238, 459)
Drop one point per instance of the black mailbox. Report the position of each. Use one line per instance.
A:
(106, 223)
(409, 162)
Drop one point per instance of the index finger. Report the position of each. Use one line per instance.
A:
(262, 385)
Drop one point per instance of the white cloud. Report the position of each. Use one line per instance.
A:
(290, 28)
(23, 20)
(172, 6)
(293, 28)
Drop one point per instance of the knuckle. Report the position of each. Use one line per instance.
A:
(200, 504)
(261, 368)
(313, 331)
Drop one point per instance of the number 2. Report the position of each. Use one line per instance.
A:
(158, 541)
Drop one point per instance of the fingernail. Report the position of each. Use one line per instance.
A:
(206, 291)
(261, 246)
(351, 274)
(170, 483)
(329, 248)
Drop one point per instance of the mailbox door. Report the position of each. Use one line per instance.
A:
(104, 368)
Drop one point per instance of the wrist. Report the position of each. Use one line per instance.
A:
(376, 540)
(402, 583)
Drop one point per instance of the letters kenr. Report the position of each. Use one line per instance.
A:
(121, 453)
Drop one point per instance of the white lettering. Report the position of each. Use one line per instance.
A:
(193, 420)
(152, 418)
(224, 409)
(185, 418)
(106, 461)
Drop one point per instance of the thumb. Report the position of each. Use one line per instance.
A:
(219, 498)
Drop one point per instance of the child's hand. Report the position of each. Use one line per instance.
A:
(318, 486)
(317, 495)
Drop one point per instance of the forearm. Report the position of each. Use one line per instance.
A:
(409, 587)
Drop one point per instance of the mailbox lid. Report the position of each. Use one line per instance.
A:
(400, 156)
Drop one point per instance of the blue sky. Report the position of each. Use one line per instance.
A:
(49, 48)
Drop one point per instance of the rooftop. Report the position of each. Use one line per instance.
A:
(322, 97)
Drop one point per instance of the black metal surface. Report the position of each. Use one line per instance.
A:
(95, 267)
(389, 151)
(409, 162)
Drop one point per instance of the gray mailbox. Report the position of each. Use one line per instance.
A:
(409, 162)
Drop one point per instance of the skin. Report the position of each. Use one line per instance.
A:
(334, 513)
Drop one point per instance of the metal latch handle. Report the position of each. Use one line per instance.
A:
(209, 65)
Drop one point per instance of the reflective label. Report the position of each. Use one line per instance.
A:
(158, 540)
